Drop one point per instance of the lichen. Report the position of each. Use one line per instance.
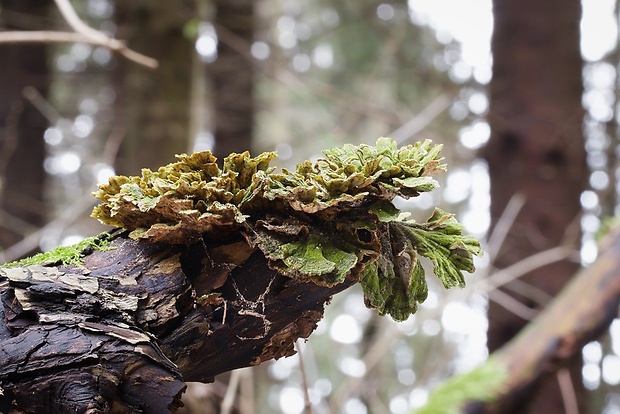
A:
(323, 223)
(65, 255)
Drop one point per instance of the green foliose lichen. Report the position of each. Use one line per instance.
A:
(323, 223)
(66, 255)
(182, 200)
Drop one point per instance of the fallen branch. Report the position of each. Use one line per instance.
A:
(147, 317)
(582, 311)
(213, 270)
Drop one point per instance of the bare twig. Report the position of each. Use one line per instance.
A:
(77, 24)
(504, 224)
(231, 392)
(31, 242)
(423, 119)
(43, 105)
(10, 142)
(513, 305)
(247, 399)
(83, 34)
(304, 379)
(569, 397)
(46, 36)
(524, 266)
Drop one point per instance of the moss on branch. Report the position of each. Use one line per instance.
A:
(65, 255)
(324, 222)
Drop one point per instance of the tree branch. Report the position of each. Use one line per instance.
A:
(70, 37)
(582, 311)
(140, 319)
(83, 34)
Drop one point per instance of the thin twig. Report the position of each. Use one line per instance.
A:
(9, 145)
(423, 119)
(231, 392)
(373, 356)
(569, 396)
(524, 266)
(49, 36)
(512, 305)
(31, 242)
(77, 24)
(43, 105)
(536, 294)
(247, 399)
(504, 224)
(304, 379)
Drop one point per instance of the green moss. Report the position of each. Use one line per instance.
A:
(481, 384)
(65, 255)
(324, 222)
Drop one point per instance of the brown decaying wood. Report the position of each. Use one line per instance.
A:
(580, 313)
(125, 331)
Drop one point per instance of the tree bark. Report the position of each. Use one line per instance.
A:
(22, 148)
(536, 149)
(579, 314)
(124, 331)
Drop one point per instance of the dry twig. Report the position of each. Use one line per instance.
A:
(83, 34)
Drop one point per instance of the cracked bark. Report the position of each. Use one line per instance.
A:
(123, 332)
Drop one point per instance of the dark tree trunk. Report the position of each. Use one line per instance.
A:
(154, 106)
(537, 150)
(232, 76)
(123, 332)
(22, 148)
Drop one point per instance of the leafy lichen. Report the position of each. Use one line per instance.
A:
(65, 255)
(324, 222)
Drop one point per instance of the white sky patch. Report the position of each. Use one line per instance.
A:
(468, 22)
(345, 329)
(66, 162)
(599, 29)
(615, 336)
(471, 24)
(611, 369)
(292, 401)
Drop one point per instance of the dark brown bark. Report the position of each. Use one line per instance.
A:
(153, 106)
(578, 315)
(537, 150)
(124, 332)
(22, 148)
(232, 76)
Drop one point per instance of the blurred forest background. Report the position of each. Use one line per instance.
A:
(530, 138)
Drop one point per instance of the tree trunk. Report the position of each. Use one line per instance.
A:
(232, 76)
(154, 105)
(22, 149)
(122, 332)
(537, 150)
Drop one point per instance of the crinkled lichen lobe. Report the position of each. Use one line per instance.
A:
(307, 221)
